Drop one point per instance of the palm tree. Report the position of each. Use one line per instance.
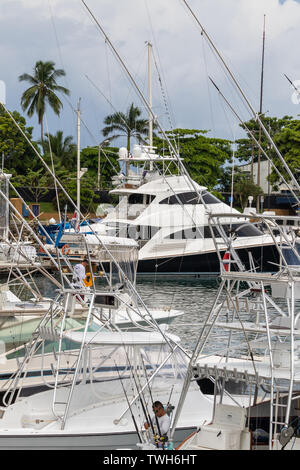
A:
(42, 91)
(127, 124)
(62, 147)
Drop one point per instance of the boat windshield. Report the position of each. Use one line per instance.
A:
(114, 371)
(292, 257)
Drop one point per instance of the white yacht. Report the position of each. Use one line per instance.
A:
(167, 215)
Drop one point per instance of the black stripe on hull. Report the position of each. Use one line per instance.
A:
(263, 256)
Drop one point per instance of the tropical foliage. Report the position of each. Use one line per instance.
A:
(17, 153)
(63, 150)
(129, 125)
(243, 187)
(206, 158)
(203, 156)
(285, 132)
(109, 165)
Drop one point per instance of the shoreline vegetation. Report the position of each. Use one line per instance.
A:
(208, 160)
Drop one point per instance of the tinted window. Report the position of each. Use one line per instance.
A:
(139, 198)
(183, 198)
(190, 198)
(246, 230)
(187, 234)
(210, 199)
(241, 230)
(136, 199)
(137, 232)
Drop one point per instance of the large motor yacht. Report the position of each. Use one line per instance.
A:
(167, 214)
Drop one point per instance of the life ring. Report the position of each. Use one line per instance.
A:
(65, 250)
(88, 280)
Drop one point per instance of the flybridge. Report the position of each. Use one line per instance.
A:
(144, 153)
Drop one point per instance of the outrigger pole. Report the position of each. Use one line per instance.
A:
(255, 140)
(148, 107)
(151, 397)
(141, 396)
(128, 403)
(153, 322)
(255, 114)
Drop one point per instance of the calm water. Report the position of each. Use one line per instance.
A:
(192, 296)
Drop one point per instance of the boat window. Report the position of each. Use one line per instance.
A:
(191, 197)
(210, 199)
(291, 257)
(241, 230)
(136, 199)
(246, 230)
(140, 198)
(136, 232)
(207, 232)
(187, 234)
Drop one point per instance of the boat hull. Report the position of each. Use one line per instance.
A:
(208, 263)
(65, 441)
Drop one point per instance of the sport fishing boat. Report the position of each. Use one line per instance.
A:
(255, 317)
(167, 214)
(99, 388)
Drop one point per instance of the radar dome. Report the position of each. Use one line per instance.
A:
(123, 152)
(137, 151)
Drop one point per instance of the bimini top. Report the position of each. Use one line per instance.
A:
(139, 338)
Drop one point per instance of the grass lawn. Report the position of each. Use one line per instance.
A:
(44, 206)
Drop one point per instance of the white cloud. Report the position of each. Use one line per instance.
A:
(29, 32)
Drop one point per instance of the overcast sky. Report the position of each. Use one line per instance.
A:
(62, 31)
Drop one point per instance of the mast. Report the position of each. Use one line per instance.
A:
(150, 132)
(78, 156)
(150, 92)
(260, 108)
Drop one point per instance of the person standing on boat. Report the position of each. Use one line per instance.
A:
(161, 420)
(79, 273)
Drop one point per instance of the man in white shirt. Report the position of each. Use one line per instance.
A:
(161, 420)
(79, 274)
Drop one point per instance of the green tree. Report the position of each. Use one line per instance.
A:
(109, 164)
(69, 182)
(17, 153)
(42, 91)
(63, 149)
(285, 132)
(288, 143)
(244, 187)
(129, 125)
(203, 156)
(247, 149)
(38, 182)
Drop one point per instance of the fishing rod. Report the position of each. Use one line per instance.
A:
(292, 83)
(255, 140)
(144, 405)
(294, 86)
(151, 397)
(169, 406)
(128, 403)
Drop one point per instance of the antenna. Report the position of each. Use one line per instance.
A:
(260, 107)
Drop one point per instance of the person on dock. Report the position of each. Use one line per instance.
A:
(79, 273)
